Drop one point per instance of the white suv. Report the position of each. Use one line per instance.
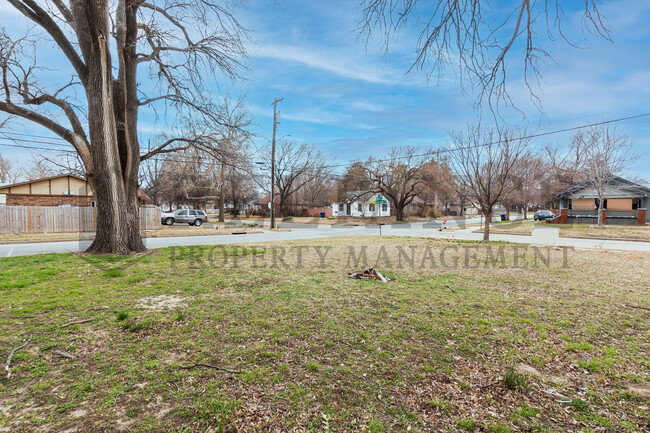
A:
(193, 217)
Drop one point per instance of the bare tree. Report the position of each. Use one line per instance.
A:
(107, 45)
(566, 166)
(295, 166)
(240, 188)
(354, 179)
(150, 178)
(608, 154)
(398, 176)
(476, 39)
(438, 184)
(8, 173)
(39, 168)
(189, 177)
(526, 191)
(489, 165)
(63, 162)
(317, 191)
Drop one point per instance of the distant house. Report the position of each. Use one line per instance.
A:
(293, 206)
(625, 203)
(457, 208)
(60, 190)
(417, 207)
(361, 204)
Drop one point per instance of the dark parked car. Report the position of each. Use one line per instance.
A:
(193, 217)
(541, 215)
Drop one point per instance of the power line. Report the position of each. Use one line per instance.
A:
(52, 137)
(35, 141)
(526, 137)
(22, 146)
(430, 153)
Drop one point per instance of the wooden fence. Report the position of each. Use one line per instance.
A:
(51, 219)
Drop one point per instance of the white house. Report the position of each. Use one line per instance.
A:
(361, 204)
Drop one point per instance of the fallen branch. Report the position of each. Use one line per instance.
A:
(450, 288)
(64, 354)
(555, 394)
(637, 306)
(346, 343)
(12, 353)
(489, 384)
(369, 274)
(188, 367)
(77, 322)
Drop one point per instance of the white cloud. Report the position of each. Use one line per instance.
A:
(334, 63)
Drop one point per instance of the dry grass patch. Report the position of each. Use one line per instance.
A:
(318, 351)
(575, 230)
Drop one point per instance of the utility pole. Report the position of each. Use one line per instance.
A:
(435, 193)
(222, 192)
(275, 125)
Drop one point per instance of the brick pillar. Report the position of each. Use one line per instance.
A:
(641, 217)
(564, 216)
(604, 211)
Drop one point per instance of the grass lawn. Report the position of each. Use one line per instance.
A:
(578, 230)
(551, 345)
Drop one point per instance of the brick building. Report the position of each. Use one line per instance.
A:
(626, 202)
(61, 190)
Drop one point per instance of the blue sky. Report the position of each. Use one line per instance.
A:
(355, 100)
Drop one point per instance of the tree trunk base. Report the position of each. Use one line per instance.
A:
(118, 231)
(101, 245)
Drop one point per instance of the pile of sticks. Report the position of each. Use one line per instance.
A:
(369, 274)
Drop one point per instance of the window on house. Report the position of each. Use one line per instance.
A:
(371, 207)
(384, 207)
(341, 207)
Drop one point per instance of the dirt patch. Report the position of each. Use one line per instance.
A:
(643, 391)
(162, 302)
(79, 413)
(527, 370)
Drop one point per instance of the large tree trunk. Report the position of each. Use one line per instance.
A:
(600, 212)
(435, 204)
(486, 229)
(112, 125)
(399, 213)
